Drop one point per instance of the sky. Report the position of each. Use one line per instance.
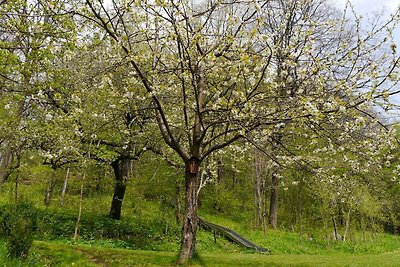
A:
(369, 7)
(365, 6)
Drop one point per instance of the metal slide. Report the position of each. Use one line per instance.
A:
(231, 235)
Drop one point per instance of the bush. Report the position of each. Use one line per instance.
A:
(18, 224)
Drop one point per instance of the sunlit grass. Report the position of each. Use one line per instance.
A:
(66, 255)
(33, 260)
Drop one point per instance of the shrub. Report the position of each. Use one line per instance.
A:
(18, 225)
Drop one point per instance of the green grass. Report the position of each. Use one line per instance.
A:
(288, 242)
(147, 235)
(33, 260)
(66, 255)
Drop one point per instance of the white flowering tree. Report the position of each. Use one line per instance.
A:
(113, 120)
(304, 34)
(30, 37)
(207, 68)
(95, 112)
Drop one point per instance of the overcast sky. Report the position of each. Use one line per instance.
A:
(366, 6)
(369, 7)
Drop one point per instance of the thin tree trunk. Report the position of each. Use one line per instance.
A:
(326, 230)
(121, 170)
(273, 208)
(5, 168)
(178, 211)
(300, 222)
(49, 191)
(78, 220)
(64, 189)
(363, 227)
(264, 212)
(394, 223)
(300, 208)
(336, 235)
(221, 171)
(258, 192)
(189, 228)
(347, 225)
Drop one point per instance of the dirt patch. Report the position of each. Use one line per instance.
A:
(93, 257)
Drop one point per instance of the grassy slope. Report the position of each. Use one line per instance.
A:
(288, 242)
(66, 255)
(287, 248)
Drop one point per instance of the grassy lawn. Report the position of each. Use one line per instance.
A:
(56, 254)
(150, 237)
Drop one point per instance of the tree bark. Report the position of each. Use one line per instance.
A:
(5, 168)
(49, 192)
(335, 232)
(347, 228)
(189, 228)
(300, 208)
(258, 191)
(50, 189)
(78, 219)
(221, 171)
(121, 171)
(64, 189)
(273, 208)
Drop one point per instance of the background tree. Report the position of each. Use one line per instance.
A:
(286, 23)
(94, 106)
(30, 38)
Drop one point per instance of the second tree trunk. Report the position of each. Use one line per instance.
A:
(273, 208)
(121, 171)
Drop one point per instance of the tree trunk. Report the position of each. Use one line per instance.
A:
(47, 197)
(221, 171)
(347, 229)
(78, 219)
(64, 189)
(121, 170)
(189, 228)
(258, 192)
(273, 208)
(337, 235)
(5, 168)
(178, 210)
(264, 212)
(326, 229)
(50, 189)
(300, 208)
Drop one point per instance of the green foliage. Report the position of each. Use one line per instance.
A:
(18, 226)
(140, 233)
